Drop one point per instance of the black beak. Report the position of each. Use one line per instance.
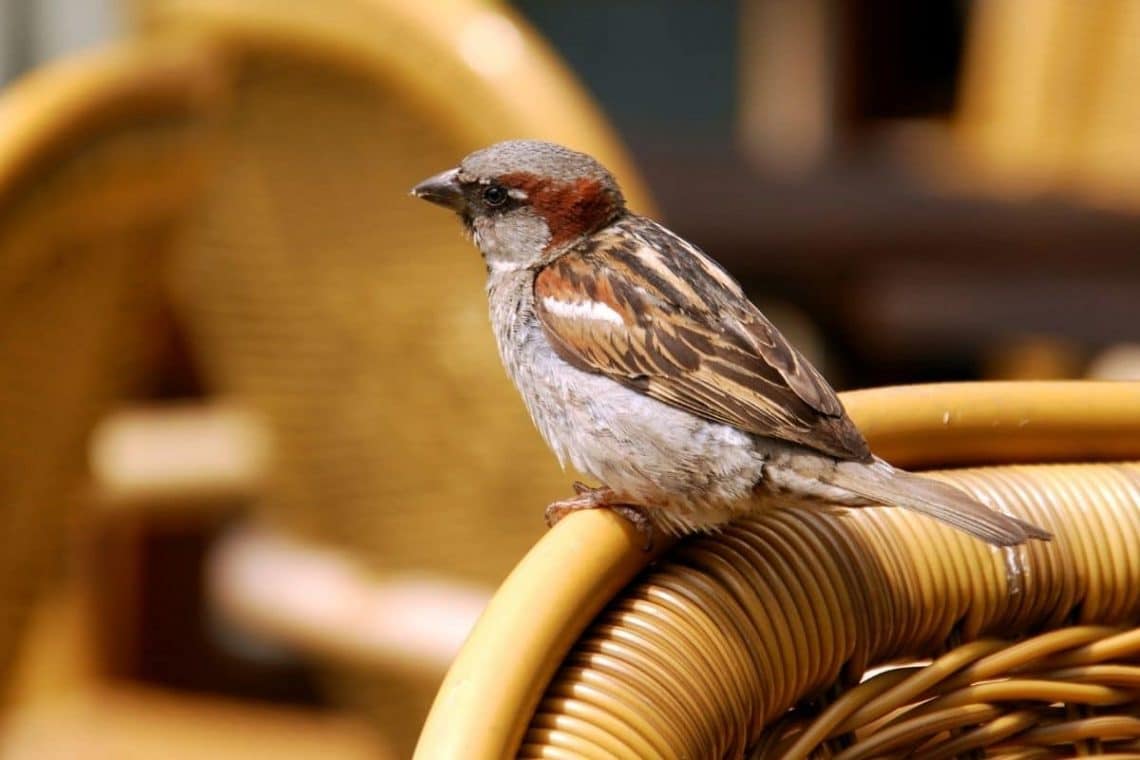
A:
(443, 189)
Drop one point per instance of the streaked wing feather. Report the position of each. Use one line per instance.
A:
(640, 305)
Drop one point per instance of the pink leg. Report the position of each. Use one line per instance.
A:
(601, 498)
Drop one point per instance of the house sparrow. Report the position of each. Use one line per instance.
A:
(643, 363)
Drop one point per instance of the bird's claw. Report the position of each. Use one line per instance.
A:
(587, 499)
(639, 519)
(600, 498)
(581, 488)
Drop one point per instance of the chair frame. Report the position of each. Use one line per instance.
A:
(487, 699)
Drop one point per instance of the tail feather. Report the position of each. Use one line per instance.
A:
(883, 484)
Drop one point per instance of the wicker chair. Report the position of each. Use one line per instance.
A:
(316, 291)
(768, 639)
(1047, 101)
(99, 157)
(312, 287)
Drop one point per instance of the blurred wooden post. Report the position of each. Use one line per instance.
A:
(788, 83)
(1048, 100)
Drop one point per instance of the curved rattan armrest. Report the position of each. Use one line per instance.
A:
(849, 593)
(952, 424)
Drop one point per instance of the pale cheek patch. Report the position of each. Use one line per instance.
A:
(499, 266)
(592, 310)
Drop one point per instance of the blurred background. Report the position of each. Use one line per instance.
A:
(259, 467)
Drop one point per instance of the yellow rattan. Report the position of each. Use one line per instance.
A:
(99, 156)
(705, 652)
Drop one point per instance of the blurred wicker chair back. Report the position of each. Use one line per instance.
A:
(352, 317)
(317, 290)
(756, 642)
(1048, 99)
(99, 157)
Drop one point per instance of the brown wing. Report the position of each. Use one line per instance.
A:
(644, 307)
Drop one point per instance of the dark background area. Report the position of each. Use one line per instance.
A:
(905, 280)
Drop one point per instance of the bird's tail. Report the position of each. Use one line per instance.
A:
(883, 484)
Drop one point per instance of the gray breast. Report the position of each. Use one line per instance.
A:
(648, 450)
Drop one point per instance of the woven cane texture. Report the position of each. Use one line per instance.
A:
(908, 591)
(99, 157)
(704, 655)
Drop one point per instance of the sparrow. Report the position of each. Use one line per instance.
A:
(643, 363)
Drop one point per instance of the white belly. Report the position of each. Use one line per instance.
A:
(640, 447)
(690, 472)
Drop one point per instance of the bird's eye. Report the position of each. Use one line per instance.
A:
(495, 195)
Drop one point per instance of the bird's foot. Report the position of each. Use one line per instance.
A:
(602, 498)
(581, 488)
(585, 498)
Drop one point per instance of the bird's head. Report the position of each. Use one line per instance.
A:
(525, 201)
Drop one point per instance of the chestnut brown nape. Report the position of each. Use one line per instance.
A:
(571, 209)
